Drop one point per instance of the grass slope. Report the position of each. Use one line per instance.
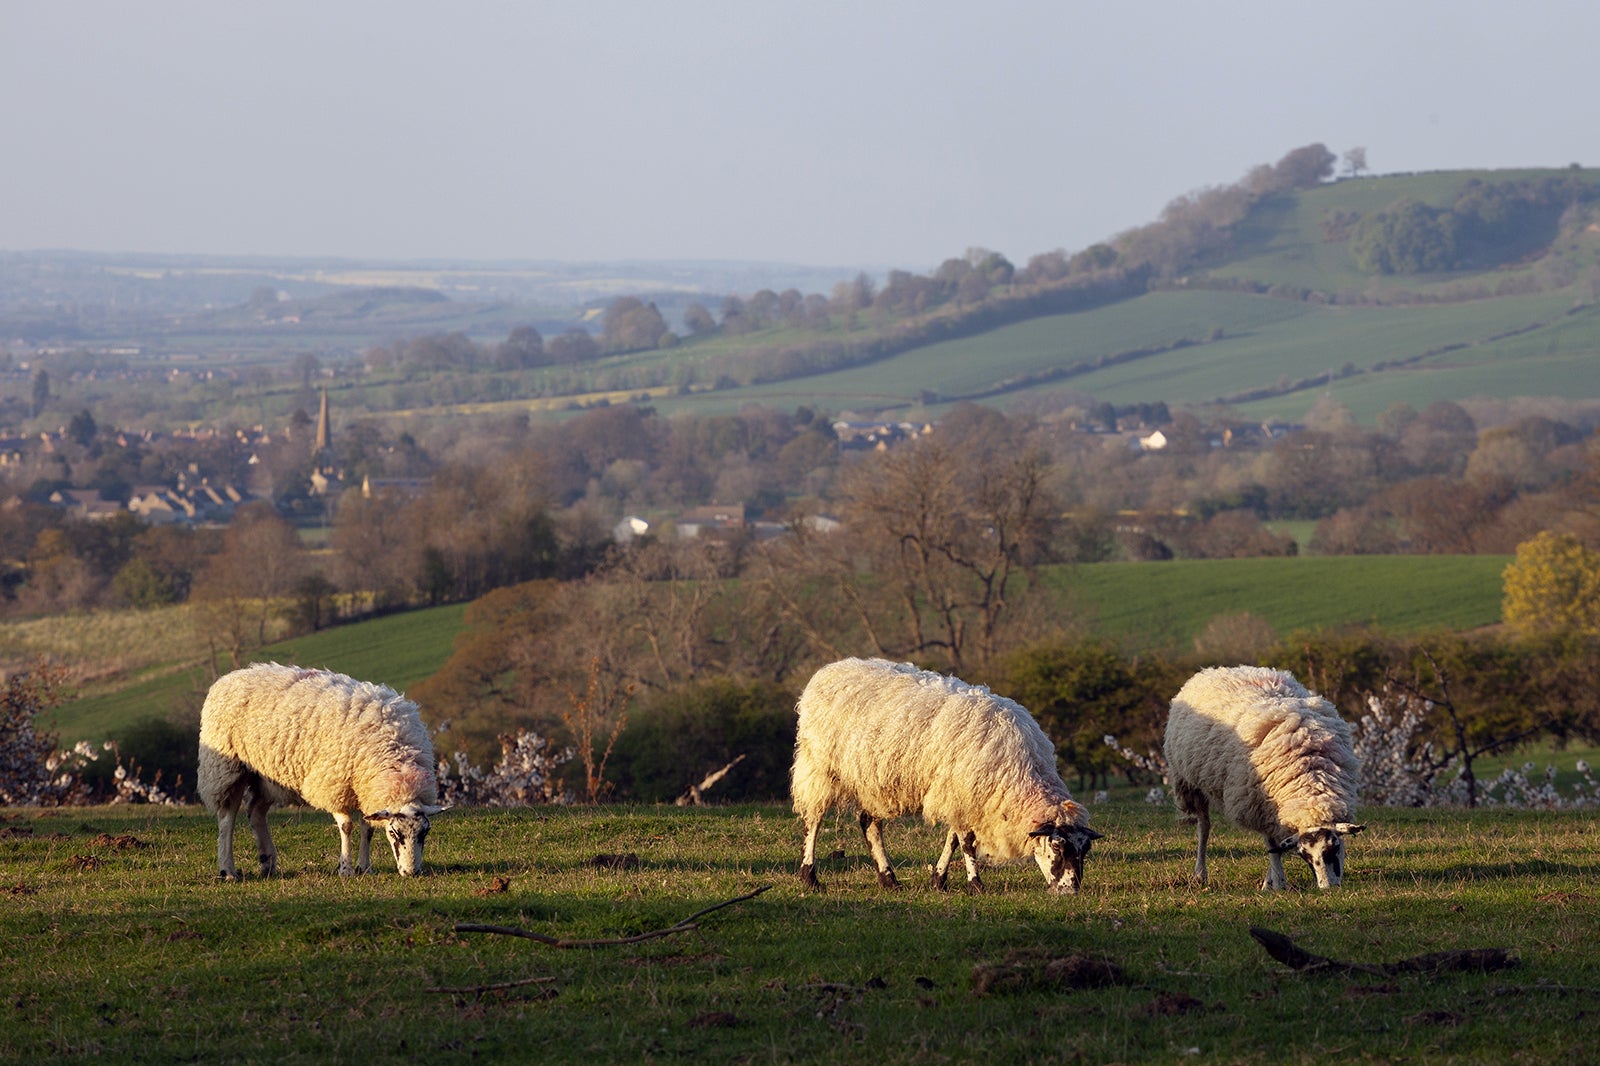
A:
(397, 650)
(132, 951)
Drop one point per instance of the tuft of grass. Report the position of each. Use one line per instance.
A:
(133, 950)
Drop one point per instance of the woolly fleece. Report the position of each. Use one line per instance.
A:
(890, 739)
(340, 744)
(1270, 755)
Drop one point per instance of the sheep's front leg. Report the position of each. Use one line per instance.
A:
(364, 860)
(345, 824)
(265, 852)
(1276, 880)
(969, 855)
(872, 829)
(942, 867)
(1202, 834)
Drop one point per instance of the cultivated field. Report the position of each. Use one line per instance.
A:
(121, 946)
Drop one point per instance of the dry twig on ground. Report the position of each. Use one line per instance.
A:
(683, 926)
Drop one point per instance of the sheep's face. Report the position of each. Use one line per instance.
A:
(1060, 850)
(407, 829)
(1323, 850)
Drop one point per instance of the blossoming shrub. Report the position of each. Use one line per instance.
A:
(528, 773)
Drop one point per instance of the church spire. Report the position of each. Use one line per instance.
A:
(324, 437)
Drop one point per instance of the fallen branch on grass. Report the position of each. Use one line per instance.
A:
(1292, 955)
(557, 942)
(694, 795)
(500, 987)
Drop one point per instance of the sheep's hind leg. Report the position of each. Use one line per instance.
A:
(872, 829)
(1202, 834)
(226, 816)
(808, 859)
(265, 852)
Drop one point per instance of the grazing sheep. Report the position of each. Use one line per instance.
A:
(289, 735)
(1272, 757)
(889, 739)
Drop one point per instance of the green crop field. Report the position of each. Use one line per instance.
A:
(1264, 341)
(122, 946)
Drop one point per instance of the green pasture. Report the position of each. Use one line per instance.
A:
(123, 946)
(1167, 605)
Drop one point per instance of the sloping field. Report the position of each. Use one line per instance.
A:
(1264, 342)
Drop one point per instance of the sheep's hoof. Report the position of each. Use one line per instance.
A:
(808, 877)
(228, 875)
(269, 865)
(941, 882)
(975, 887)
(886, 879)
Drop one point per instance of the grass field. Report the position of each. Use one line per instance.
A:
(123, 947)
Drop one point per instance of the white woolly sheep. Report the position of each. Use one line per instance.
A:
(289, 735)
(1273, 758)
(888, 739)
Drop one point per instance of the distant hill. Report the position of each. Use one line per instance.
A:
(1285, 316)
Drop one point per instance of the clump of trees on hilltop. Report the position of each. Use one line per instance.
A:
(1488, 223)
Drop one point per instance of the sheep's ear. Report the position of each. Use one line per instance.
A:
(379, 818)
(1347, 829)
(431, 811)
(1043, 831)
(1091, 834)
(1284, 846)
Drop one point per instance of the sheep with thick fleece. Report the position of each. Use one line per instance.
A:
(1273, 758)
(289, 735)
(889, 739)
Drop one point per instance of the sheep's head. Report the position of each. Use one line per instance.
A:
(1060, 849)
(1323, 850)
(407, 828)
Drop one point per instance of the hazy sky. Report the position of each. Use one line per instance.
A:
(859, 134)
